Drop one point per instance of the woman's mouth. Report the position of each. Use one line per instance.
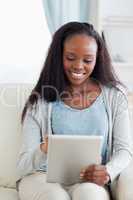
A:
(76, 75)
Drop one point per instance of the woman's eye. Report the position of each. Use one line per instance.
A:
(87, 61)
(70, 59)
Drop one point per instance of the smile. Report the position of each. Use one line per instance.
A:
(77, 75)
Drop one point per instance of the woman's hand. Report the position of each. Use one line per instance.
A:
(95, 174)
(44, 145)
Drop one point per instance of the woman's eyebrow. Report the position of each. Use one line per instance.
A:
(73, 53)
(69, 52)
(91, 55)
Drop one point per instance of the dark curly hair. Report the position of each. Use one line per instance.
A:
(52, 77)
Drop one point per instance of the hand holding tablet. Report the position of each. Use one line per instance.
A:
(95, 174)
(44, 145)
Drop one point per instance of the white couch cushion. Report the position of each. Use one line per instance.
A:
(8, 194)
(12, 99)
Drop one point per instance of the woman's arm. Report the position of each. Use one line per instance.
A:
(122, 140)
(31, 157)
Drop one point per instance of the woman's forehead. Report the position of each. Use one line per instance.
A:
(80, 43)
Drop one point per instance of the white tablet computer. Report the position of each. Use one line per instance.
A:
(67, 155)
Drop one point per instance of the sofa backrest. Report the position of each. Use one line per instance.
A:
(12, 100)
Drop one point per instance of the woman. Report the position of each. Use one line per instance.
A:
(77, 90)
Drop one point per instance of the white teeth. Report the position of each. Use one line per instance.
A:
(77, 75)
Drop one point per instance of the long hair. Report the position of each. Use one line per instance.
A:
(53, 81)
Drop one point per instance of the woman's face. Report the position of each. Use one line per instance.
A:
(79, 58)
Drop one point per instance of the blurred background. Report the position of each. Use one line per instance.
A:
(26, 28)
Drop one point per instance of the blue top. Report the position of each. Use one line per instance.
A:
(92, 120)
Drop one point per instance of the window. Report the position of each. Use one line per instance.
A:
(24, 39)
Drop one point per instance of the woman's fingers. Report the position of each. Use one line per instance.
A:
(44, 144)
(96, 174)
(45, 138)
(96, 169)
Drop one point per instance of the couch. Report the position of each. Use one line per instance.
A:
(12, 99)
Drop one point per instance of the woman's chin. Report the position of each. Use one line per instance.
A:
(77, 82)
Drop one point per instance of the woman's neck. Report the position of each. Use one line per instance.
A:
(86, 87)
(83, 96)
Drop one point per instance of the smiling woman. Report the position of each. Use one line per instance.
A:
(24, 39)
(77, 65)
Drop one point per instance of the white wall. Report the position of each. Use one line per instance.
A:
(24, 38)
(117, 23)
(117, 7)
(116, 17)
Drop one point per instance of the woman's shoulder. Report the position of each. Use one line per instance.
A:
(116, 90)
(116, 94)
(39, 107)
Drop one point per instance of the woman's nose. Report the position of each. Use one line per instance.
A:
(78, 65)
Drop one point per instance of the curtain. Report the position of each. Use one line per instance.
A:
(59, 12)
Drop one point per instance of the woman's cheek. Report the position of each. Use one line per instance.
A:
(66, 65)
